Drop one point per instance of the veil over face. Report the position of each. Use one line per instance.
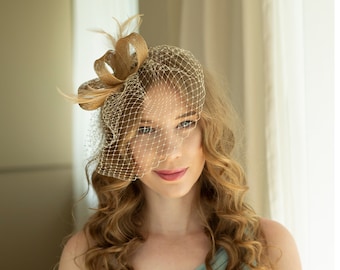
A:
(129, 133)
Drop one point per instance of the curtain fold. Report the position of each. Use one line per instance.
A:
(285, 115)
(254, 105)
(299, 115)
(336, 192)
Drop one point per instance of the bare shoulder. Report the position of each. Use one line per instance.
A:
(72, 257)
(282, 249)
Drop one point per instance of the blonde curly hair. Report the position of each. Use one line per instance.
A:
(229, 222)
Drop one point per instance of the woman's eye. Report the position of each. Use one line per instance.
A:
(145, 130)
(186, 124)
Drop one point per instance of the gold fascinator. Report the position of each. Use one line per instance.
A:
(114, 67)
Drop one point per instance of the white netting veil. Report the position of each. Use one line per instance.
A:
(150, 101)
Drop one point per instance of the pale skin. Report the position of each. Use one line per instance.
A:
(175, 238)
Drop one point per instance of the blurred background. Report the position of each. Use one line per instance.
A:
(36, 132)
(276, 59)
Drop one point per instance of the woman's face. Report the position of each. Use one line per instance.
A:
(167, 147)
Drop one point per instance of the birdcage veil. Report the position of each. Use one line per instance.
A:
(139, 95)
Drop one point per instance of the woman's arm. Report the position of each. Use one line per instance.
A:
(282, 250)
(72, 257)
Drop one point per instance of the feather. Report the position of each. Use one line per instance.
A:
(92, 94)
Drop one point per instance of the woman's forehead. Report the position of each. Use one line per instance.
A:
(160, 90)
(163, 101)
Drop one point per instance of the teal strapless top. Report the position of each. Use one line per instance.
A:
(219, 262)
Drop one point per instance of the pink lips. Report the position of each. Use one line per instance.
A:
(171, 175)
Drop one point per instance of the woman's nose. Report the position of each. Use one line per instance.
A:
(172, 146)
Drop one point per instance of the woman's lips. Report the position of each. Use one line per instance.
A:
(171, 175)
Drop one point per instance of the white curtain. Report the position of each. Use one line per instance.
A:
(88, 46)
(286, 114)
(299, 92)
(337, 136)
(288, 106)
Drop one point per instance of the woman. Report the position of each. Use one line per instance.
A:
(170, 194)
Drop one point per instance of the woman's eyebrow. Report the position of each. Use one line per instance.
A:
(186, 114)
(191, 113)
(146, 121)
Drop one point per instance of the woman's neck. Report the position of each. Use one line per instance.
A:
(171, 216)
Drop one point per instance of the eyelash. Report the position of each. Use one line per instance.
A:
(186, 124)
(182, 125)
(145, 130)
